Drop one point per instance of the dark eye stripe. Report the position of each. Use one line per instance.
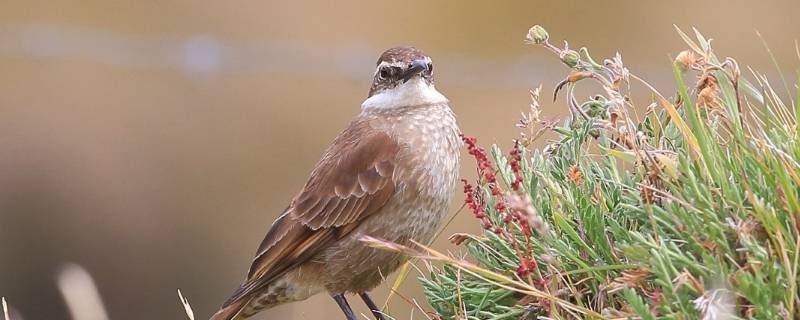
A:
(389, 72)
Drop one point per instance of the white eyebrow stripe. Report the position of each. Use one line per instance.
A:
(392, 64)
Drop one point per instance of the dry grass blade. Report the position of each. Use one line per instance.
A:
(689, 41)
(501, 281)
(389, 246)
(80, 293)
(674, 116)
(797, 49)
(402, 275)
(186, 307)
(775, 63)
(5, 309)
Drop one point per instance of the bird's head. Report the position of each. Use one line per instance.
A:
(403, 77)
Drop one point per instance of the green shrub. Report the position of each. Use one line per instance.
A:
(686, 208)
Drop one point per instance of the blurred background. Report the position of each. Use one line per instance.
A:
(153, 142)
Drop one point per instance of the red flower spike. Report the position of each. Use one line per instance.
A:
(516, 166)
(526, 229)
(471, 202)
(485, 166)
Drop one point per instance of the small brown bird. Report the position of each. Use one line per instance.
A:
(390, 174)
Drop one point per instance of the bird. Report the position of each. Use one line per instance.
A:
(390, 174)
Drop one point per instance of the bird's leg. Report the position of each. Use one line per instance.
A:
(372, 307)
(348, 312)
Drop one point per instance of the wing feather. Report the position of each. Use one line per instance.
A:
(354, 179)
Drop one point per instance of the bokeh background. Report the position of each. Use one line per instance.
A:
(153, 142)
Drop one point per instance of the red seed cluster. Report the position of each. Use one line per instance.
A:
(474, 204)
(485, 166)
(510, 205)
(500, 206)
(526, 227)
(515, 213)
(516, 167)
(526, 266)
(479, 153)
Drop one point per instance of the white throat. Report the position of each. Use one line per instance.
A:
(412, 93)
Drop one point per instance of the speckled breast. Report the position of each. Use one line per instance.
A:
(425, 179)
(426, 174)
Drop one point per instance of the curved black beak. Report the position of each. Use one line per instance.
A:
(416, 67)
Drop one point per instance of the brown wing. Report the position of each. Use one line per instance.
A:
(353, 180)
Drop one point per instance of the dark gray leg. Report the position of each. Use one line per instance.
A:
(372, 307)
(348, 312)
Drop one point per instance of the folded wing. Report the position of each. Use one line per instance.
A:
(353, 180)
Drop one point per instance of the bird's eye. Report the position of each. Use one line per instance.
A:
(383, 73)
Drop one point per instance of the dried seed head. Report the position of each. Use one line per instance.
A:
(536, 111)
(633, 278)
(537, 35)
(574, 174)
(685, 60)
(708, 92)
(458, 238)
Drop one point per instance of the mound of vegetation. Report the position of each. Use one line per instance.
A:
(685, 208)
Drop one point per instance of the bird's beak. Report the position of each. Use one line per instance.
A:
(416, 67)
